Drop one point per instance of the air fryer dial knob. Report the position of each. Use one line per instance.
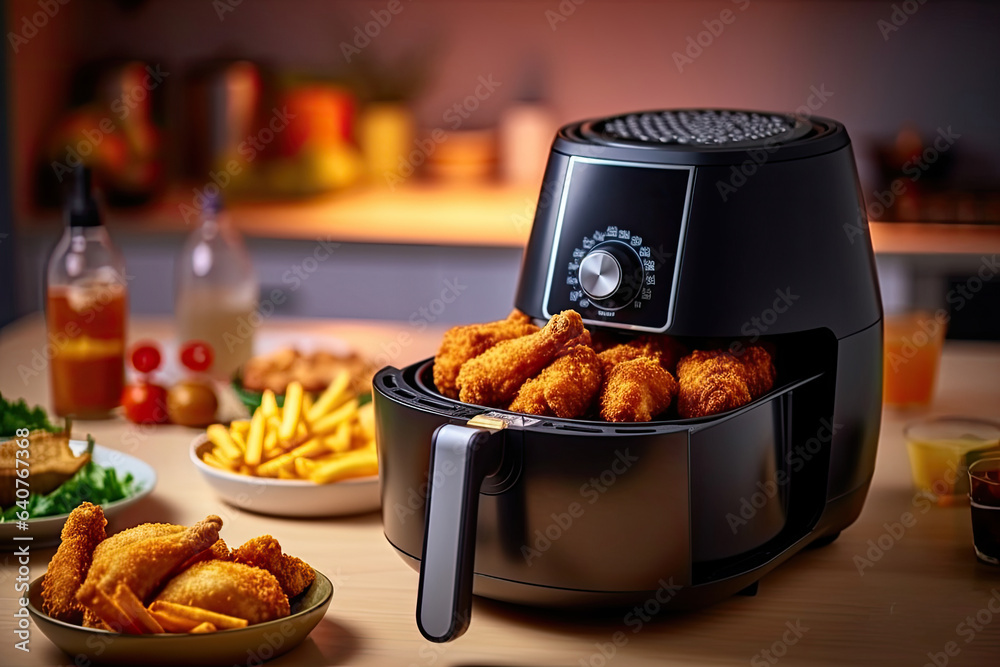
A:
(600, 274)
(611, 272)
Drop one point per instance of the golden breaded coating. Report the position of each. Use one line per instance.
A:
(636, 391)
(495, 376)
(142, 558)
(234, 589)
(83, 531)
(565, 388)
(462, 343)
(664, 349)
(713, 381)
(293, 574)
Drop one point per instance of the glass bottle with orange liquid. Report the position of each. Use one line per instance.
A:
(86, 306)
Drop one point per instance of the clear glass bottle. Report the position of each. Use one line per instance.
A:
(86, 311)
(216, 291)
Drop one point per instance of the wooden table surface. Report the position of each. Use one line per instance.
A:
(915, 599)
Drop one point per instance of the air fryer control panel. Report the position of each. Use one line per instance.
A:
(618, 241)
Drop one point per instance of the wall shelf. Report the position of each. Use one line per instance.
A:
(478, 216)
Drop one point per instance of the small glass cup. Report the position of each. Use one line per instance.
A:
(912, 354)
(940, 451)
(984, 496)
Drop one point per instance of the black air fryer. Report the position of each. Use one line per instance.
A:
(707, 225)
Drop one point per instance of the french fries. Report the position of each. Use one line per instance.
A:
(324, 439)
(195, 616)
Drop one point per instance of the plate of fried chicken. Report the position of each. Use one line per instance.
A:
(562, 370)
(165, 594)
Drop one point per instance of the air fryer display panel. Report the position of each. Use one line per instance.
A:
(618, 241)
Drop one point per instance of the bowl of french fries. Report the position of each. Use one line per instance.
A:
(311, 456)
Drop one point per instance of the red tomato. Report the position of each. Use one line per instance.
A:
(145, 403)
(196, 355)
(145, 356)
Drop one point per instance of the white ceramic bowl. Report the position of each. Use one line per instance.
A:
(287, 497)
(45, 531)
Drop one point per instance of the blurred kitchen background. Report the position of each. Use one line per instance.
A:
(413, 133)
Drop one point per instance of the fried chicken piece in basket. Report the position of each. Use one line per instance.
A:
(460, 344)
(234, 589)
(293, 574)
(142, 558)
(82, 532)
(665, 349)
(636, 391)
(495, 376)
(713, 381)
(565, 388)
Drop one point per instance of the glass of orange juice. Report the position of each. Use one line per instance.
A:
(941, 450)
(911, 357)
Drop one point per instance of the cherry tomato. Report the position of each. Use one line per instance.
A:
(145, 356)
(145, 403)
(197, 355)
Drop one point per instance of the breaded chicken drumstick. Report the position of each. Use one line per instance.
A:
(460, 344)
(494, 377)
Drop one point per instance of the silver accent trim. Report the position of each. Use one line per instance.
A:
(680, 238)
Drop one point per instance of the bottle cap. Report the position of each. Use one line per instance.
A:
(81, 209)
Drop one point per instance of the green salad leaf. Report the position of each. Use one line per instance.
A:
(16, 415)
(92, 482)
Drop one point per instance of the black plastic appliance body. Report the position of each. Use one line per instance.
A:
(756, 232)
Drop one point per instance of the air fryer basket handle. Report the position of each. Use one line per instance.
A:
(461, 458)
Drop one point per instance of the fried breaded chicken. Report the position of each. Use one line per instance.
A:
(462, 343)
(636, 391)
(495, 376)
(293, 574)
(82, 532)
(664, 349)
(234, 589)
(565, 388)
(142, 558)
(218, 551)
(713, 381)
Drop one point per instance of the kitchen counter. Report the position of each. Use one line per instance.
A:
(881, 594)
